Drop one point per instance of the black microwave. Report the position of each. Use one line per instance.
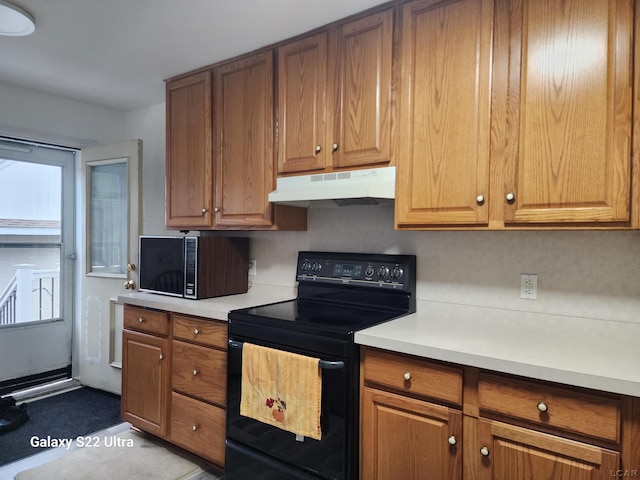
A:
(194, 267)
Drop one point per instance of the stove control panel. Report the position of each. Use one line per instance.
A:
(368, 270)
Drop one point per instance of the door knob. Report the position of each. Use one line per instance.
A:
(131, 267)
(130, 285)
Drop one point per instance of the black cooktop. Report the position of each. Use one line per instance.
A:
(339, 294)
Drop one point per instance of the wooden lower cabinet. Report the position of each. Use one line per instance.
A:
(174, 373)
(145, 381)
(198, 427)
(410, 439)
(510, 452)
(504, 428)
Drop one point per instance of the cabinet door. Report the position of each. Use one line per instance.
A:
(443, 161)
(409, 439)
(302, 99)
(189, 152)
(145, 381)
(244, 142)
(514, 452)
(361, 117)
(568, 109)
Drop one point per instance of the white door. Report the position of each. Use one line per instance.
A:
(36, 262)
(110, 209)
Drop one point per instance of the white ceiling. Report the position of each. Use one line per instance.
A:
(117, 53)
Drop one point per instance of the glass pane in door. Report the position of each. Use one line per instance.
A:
(30, 241)
(108, 219)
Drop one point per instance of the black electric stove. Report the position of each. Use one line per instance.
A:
(338, 294)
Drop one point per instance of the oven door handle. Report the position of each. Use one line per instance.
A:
(324, 364)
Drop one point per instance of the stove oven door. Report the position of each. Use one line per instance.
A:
(257, 450)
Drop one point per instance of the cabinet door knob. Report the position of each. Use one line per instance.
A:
(484, 451)
(452, 440)
(407, 376)
(140, 320)
(205, 210)
(161, 357)
(196, 331)
(195, 372)
(543, 407)
(216, 209)
(194, 427)
(480, 199)
(510, 197)
(335, 147)
(318, 148)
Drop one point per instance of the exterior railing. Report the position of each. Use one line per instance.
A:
(31, 295)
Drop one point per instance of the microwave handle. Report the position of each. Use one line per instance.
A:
(324, 364)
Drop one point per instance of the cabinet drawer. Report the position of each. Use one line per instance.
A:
(198, 427)
(206, 332)
(144, 320)
(554, 406)
(413, 375)
(200, 372)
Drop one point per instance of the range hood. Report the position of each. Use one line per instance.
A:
(372, 186)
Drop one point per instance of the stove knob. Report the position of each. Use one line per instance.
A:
(316, 268)
(383, 272)
(306, 266)
(369, 272)
(397, 273)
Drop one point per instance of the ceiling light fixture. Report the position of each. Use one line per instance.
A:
(15, 21)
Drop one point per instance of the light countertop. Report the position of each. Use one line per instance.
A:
(215, 308)
(597, 354)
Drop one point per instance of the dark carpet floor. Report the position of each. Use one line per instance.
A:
(66, 415)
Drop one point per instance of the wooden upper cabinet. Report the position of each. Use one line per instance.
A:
(360, 124)
(563, 104)
(302, 88)
(443, 161)
(244, 154)
(189, 170)
(334, 97)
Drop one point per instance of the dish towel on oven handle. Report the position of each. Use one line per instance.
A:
(282, 389)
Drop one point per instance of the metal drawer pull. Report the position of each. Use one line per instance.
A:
(195, 372)
(161, 357)
(196, 331)
(407, 376)
(452, 440)
(484, 451)
(543, 407)
(194, 428)
(324, 364)
(140, 320)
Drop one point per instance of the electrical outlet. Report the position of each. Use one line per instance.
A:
(252, 268)
(529, 286)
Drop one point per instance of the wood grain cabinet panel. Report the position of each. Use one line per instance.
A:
(200, 371)
(198, 427)
(510, 452)
(205, 332)
(146, 320)
(563, 110)
(409, 439)
(189, 169)
(145, 381)
(443, 167)
(561, 408)
(334, 97)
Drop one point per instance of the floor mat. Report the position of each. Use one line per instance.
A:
(130, 455)
(64, 416)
